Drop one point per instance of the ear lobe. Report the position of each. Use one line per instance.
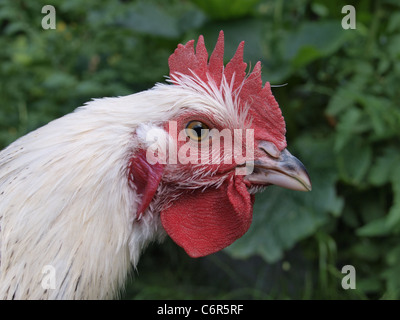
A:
(145, 177)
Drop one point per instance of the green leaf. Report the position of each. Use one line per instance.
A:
(391, 222)
(367, 250)
(384, 115)
(382, 170)
(319, 9)
(226, 9)
(346, 95)
(351, 124)
(150, 19)
(313, 40)
(394, 46)
(391, 276)
(393, 218)
(250, 29)
(58, 80)
(305, 55)
(354, 160)
(394, 23)
(376, 227)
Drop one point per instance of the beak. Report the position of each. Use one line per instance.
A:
(285, 171)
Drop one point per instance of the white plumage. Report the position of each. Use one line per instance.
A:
(65, 199)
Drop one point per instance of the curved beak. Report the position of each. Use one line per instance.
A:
(285, 170)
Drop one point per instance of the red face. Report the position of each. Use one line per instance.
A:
(212, 205)
(209, 205)
(219, 210)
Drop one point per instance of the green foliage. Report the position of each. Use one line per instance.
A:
(341, 106)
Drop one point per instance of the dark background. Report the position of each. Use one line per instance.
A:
(341, 106)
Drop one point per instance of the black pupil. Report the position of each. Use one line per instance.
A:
(197, 128)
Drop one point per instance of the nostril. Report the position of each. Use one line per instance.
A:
(269, 148)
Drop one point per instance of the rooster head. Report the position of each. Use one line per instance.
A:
(225, 141)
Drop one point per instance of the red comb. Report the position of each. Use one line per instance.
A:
(267, 119)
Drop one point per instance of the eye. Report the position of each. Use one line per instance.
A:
(197, 130)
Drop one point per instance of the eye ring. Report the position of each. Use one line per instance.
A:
(197, 130)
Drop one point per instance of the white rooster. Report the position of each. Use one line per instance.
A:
(86, 193)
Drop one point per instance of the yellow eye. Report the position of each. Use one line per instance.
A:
(197, 130)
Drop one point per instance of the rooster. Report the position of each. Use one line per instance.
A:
(85, 194)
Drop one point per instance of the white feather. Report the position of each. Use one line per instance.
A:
(65, 200)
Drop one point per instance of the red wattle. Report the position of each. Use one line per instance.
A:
(204, 222)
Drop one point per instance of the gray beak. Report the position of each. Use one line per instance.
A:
(284, 170)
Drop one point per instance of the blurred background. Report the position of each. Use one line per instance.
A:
(340, 103)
